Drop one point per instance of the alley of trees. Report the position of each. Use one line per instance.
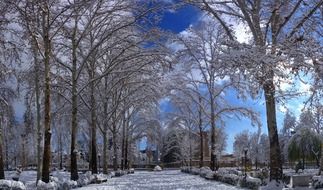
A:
(93, 73)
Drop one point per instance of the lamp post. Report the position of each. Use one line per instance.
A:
(245, 161)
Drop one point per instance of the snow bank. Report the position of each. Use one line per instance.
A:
(10, 184)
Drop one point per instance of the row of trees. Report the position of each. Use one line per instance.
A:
(256, 144)
(97, 66)
(88, 68)
(283, 46)
(284, 42)
(302, 139)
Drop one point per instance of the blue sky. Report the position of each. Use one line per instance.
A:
(177, 21)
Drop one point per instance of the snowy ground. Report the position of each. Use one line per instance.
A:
(164, 180)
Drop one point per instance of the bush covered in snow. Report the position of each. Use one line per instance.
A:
(231, 179)
(157, 168)
(185, 169)
(262, 175)
(250, 182)
(57, 184)
(11, 185)
(47, 186)
(317, 182)
(204, 170)
(195, 171)
(224, 175)
(131, 171)
(65, 184)
(85, 179)
(210, 175)
(119, 173)
(229, 171)
(273, 185)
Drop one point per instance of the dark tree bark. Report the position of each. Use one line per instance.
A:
(123, 141)
(2, 176)
(94, 166)
(126, 161)
(201, 133)
(213, 156)
(115, 148)
(276, 172)
(74, 171)
(105, 137)
(39, 133)
(47, 93)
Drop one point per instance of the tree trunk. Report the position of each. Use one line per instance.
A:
(201, 133)
(105, 150)
(321, 161)
(23, 151)
(7, 152)
(213, 156)
(105, 138)
(276, 172)
(123, 141)
(74, 172)
(115, 151)
(94, 166)
(126, 160)
(126, 151)
(60, 151)
(105, 132)
(47, 93)
(2, 176)
(201, 149)
(37, 94)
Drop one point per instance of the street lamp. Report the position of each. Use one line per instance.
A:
(245, 161)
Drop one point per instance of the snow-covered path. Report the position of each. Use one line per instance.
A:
(164, 180)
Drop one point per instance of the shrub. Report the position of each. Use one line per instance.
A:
(250, 182)
(317, 182)
(195, 171)
(231, 179)
(11, 185)
(204, 171)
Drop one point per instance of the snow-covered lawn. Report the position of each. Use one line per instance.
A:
(163, 180)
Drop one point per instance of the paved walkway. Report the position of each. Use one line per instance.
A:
(164, 180)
